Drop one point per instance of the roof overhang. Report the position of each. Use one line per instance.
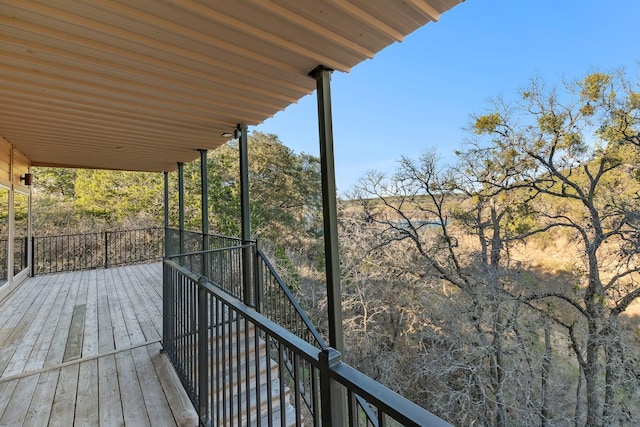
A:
(143, 84)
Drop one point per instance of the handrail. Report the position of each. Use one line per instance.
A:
(211, 347)
(319, 341)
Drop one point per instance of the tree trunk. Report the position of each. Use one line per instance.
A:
(578, 413)
(612, 368)
(545, 411)
(591, 374)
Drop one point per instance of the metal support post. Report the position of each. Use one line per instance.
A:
(331, 392)
(245, 213)
(204, 180)
(181, 206)
(329, 203)
(166, 214)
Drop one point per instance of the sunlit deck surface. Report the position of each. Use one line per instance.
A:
(83, 349)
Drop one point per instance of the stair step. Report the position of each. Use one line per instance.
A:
(242, 335)
(232, 404)
(252, 377)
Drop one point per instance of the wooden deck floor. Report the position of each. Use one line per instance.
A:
(83, 349)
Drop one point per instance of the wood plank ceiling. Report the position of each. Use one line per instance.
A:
(143, 84)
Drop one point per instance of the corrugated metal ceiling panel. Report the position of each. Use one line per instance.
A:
(143, 84)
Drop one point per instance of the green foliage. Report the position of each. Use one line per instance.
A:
(487, 124)
(55, 181)
(284, 189)
(284, 262)
(284, 193)
(594, 85)
(116, 195)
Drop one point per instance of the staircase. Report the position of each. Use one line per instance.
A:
(237, 361)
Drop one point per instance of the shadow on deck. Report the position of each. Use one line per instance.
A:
(83, 348)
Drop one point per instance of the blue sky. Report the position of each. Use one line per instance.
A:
(419, 94)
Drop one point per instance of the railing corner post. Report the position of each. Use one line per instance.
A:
(257, 279)
(106, 249)
(33, 256)
(332, 401)
(203, 339)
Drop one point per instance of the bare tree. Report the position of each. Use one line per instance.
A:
(576, 153)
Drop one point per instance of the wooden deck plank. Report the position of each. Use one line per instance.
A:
(61, 333)
(154, 398)
(110, 409)
(9, 313)
(59, 288)
(120, 334)
(132, 324)
(62, 411)
(14, 339)
(14, 327)
(90, 338)
(6, 390)
(133, 407)
(151, 275)
(183, 411)
(86, 412)
(105, 328)
(73, 339)
(18, 405)
(42, 401)
(143, 306)
(41, 310)
(73, 349)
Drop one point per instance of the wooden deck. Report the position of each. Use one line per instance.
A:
(83, 349)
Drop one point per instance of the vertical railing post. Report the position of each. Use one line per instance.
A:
(257, 279)
(203, 340)
(181, 206)
(106, 249)
(204, 187)
(33, 256)
(167, 301)
(25, 254)
(331, 393)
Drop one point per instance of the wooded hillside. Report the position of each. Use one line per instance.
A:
(501, 290)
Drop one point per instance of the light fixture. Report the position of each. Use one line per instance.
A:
(27, 178)
(237, 133)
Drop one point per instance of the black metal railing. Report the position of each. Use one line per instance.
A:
(73, 252)
(185, 241)
(20, 256)
(229, 358)
(20, 253)
(260, 286)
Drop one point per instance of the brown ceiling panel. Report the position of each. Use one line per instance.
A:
(143, 84)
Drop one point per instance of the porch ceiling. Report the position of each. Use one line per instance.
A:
(143, 84)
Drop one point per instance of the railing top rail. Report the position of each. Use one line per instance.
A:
(385, 399)
(134, 229)
(208, 251)
(97, 232)
(316, 335)
(53, 236)
(238, 239)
